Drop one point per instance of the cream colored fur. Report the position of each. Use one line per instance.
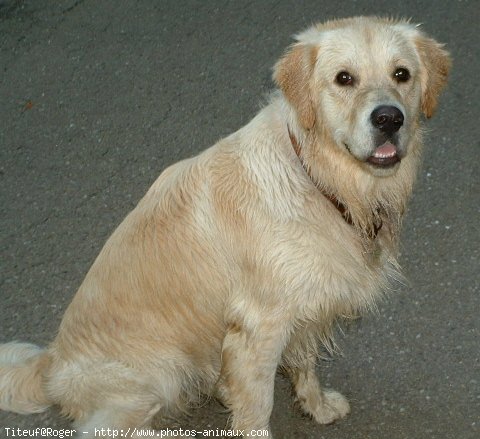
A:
(235, 262)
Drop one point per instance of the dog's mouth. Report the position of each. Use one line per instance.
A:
(384, 156)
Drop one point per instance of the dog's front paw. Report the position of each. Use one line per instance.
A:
(333, 406)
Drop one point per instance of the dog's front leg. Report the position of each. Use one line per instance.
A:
(250, 357)
(325, 406)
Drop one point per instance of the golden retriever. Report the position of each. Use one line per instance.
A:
(241, 259)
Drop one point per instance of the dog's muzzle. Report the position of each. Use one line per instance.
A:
(386, 120)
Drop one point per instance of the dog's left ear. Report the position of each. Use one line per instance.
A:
(435, 65)
(293, 75)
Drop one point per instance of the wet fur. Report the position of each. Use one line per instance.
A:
(235, 262)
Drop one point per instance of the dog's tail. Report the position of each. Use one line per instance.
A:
(22, 369)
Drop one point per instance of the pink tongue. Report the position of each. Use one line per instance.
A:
(386, 150)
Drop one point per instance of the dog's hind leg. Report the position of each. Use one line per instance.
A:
(122, 418)
(106, 395)
(325, 406)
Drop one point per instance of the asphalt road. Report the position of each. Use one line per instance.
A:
(97, 97)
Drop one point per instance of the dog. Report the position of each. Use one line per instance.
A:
(241, 260)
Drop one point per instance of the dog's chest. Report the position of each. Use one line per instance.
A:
(319, 268)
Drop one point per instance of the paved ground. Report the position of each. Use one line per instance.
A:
(97, 97)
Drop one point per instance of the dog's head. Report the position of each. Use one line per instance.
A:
(363, 81)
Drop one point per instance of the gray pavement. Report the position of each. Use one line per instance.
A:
(97, 97)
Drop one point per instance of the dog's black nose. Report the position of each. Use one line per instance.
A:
(387, 118)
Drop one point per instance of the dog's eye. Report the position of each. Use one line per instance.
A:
(401, 75)
(344, 78)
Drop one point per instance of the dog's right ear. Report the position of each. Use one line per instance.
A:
(293, 75)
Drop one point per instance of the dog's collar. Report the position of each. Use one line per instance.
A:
(330, 197)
